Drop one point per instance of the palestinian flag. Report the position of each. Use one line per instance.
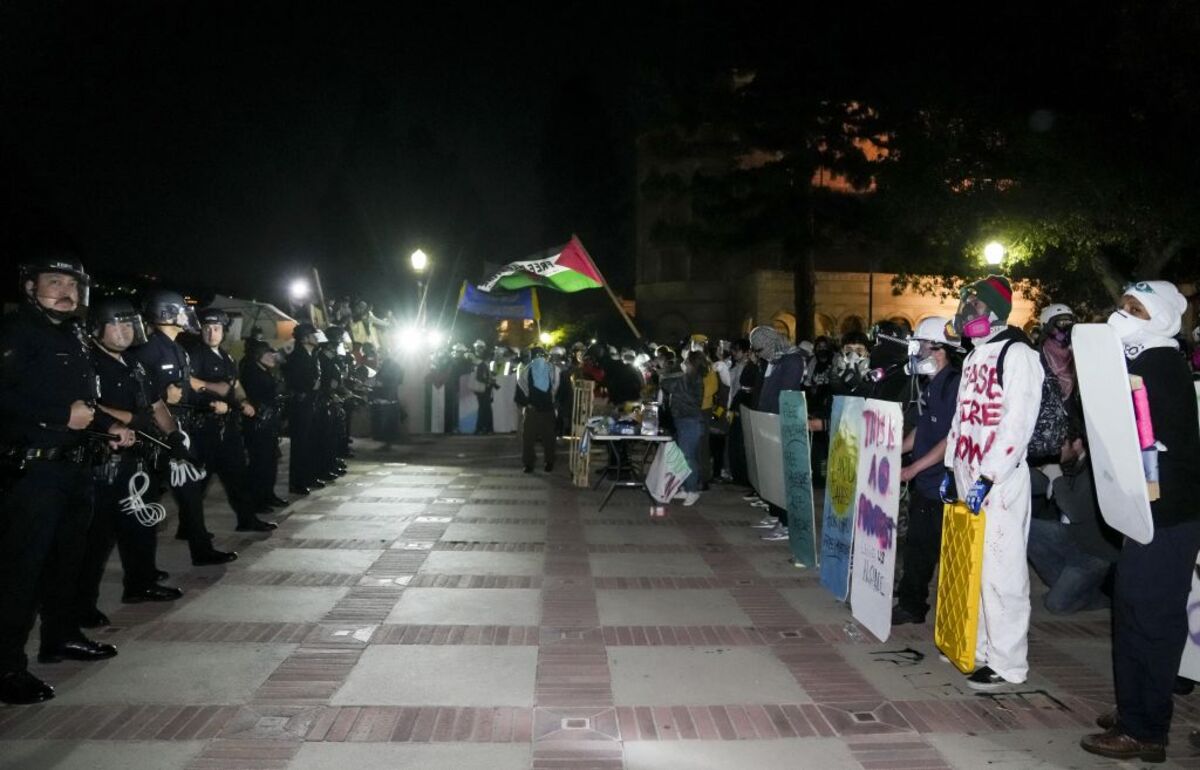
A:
(567, 268)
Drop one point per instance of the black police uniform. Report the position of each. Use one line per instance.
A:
(483, 374)
(44, 368)
(217, 438)
(261, 432)
(330, 417)
(302, 374)
(123, 386)
(166, 363)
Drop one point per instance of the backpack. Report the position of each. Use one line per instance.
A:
(1050, 429)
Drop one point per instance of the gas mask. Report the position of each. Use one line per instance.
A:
(852, 362)
(920, 359)
(974, 318)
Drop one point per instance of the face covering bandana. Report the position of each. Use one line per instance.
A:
(1136, 334)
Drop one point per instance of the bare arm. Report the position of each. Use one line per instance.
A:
(163, 418)
(220, 389)
(117, 414)
(935, 456)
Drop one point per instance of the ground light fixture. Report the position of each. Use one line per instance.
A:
(993, 253)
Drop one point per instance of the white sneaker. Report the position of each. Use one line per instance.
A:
(761, 504)
(679, 495)
(690, 498)
(766, 522)
(779, 533)
(750, 498)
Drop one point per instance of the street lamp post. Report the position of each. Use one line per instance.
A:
(993, 253)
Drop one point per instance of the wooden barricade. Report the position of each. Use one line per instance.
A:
(581, 412)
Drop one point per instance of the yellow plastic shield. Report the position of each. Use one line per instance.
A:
(959, 573)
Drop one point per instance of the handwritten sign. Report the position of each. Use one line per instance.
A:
(875, 516)
(797, 477)
(837, 530)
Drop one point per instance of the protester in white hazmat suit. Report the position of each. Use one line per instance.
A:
(998, 399)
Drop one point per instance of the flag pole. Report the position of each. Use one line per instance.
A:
(604, 282)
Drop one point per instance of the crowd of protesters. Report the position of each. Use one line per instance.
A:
(1029, 463)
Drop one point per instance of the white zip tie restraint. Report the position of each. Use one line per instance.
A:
(183, 472)
(147, 514)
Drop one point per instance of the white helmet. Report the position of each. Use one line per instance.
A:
(1054, 311)
(933, 329)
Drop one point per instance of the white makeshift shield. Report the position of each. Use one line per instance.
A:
(1112, 431)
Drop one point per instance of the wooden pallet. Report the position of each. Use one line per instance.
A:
(581, 412)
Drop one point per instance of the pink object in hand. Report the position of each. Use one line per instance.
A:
(1141, 413)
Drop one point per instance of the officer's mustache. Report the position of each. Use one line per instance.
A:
(56, 298)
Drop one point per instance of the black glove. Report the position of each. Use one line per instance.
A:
(178, 443)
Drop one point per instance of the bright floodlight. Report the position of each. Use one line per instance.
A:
(545, 338)
(410, 338)
(419, 260)
(434, 338)
(299, 290)
(993, 253)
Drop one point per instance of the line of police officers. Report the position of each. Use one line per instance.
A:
(96, 419)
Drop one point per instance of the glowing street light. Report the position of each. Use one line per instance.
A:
(993, 253)
(545, 338)
(300, 290)
(419, 260)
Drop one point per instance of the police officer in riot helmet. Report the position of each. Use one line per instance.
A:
(261, 431)
(329, 417)
(124, 491)
(168, 370)
(483, 383)
(221, 402)
(302, 375)
(47, 417)
(335, 386)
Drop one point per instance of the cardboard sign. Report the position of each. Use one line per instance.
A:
(748, 439)
(797, 477)
(768, 457)
(841, 484)
(876, 511)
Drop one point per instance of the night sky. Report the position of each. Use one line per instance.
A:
(210, 141)
(230, 145)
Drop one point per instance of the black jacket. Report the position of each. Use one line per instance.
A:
(44, 368)
(1173, 413)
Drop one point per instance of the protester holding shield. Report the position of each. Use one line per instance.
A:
(1150, 618)
(998, 400)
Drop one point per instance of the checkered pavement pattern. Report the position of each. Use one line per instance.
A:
(438, 608)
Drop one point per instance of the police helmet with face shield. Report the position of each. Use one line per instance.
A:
(163, 307)
(62, 262)
(214, 315)
(120, 312)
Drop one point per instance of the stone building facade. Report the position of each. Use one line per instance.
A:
(846, 301)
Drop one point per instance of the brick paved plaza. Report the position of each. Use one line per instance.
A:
(438, 609)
